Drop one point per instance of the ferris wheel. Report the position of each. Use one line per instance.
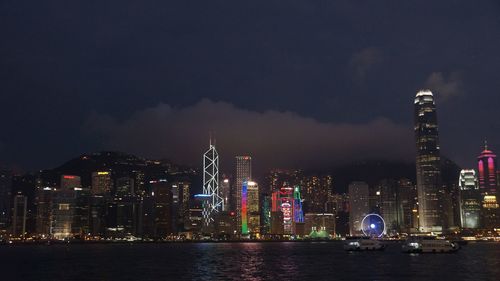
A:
(373, 225)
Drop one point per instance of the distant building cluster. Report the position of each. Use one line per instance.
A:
(117, 196)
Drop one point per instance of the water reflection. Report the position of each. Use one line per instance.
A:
(244, 261)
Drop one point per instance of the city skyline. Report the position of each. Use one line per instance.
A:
(249, 140)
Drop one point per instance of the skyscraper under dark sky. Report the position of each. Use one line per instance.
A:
(243, 173)
(487, 166)
(428, 163)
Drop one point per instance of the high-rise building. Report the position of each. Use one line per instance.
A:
(43, 202)
(277, 227)
(388, 205)
(429, 187)
(470, 199)
(62, 214)
(124, 186)
(19, 216)
(70, 182)
(316, 191)
(243, 173)
(225, 192)
(161, 196)
(266, 203)
(408, 207)
(101, 183)
(487, 167)
(253, 207)
(359, 197)
(5, 199)
(215, 203)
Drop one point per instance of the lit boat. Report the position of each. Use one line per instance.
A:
(363, 245)
(429, 246)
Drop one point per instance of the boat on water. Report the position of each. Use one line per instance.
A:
(429, 245)
(363, 244)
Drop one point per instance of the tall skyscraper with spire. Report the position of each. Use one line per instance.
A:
(428, 163)
(214, 202)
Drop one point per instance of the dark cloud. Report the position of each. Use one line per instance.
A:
(364, 60)
(338, 62)
(445, 88)
(274, 139)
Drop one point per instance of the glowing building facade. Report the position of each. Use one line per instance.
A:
(287, 216)
(470, 199)
(487, 167)
(243, 173)
(244, 208)
(101, 183)
(225, 192)
(215, 203)
(429, 187)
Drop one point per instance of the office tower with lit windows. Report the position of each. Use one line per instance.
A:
(316, 191)
(225, 192)
(43, 202)
(101, 183)
(429, 187)
(408, 207)
(243, 173)
(253, 207)
(70, 182)
(359, 198)
(470, 199)
(20, 209)
(64, 200)
(161, 199)
(124, 186)
(266, 203)
(389, 203)
(487, 167)
(5, 199)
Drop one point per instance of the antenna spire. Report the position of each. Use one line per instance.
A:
(485, 144)
(212, 139)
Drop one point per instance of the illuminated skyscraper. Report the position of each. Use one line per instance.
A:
(64, 207)
(359, 198)
(19, 216)
(389, 204)
(487, 166)
(5, 199)
(243, 173)
(101, 183)
(408, 207)
(161, 196)
(70, 182)
(470, 202)
(428, 163)
(253, 207)
(215, 203)
(244, 208)
(225, 192)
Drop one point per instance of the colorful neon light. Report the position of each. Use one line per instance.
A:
(244, 219)
(298, 214)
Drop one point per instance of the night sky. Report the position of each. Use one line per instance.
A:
(308, 84)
